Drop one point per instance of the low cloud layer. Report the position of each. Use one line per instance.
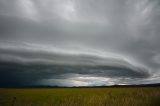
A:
(79, 43)
(28, 64)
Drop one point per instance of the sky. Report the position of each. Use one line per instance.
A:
(79, 42)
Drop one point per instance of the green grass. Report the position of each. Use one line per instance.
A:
(80, 96)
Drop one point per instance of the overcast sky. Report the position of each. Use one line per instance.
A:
(79, 42)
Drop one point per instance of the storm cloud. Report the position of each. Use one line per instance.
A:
(79, 42)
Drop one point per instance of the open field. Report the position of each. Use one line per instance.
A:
(142, 96)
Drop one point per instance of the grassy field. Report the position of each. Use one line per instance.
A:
(80, 96)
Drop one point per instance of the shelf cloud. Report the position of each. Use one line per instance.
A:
(79, 43)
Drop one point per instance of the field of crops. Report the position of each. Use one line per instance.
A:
(80, 96)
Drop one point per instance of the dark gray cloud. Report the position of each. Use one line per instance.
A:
(22, 74)
(79, 42)
(27, 64)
